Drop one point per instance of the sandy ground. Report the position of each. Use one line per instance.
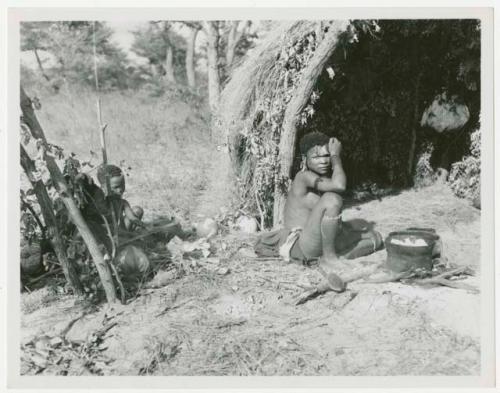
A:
(235, 314)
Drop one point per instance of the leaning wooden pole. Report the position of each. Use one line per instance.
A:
(102, 133)
(29, 118)
(295, 107)
(51, 226)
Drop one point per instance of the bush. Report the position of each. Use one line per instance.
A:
(424, 173)
(465, 175)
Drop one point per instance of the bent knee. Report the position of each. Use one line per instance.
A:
(331, 200)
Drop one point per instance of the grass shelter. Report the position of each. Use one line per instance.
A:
(365, 82)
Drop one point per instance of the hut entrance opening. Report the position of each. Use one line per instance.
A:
(373, 92)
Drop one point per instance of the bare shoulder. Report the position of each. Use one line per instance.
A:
(305, 177)
(301, 181)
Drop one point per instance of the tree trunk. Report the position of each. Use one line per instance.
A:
(76, 216)
(295, 107)
(413, 141)
(235, 33)
(169, 65)
(49, 218)
(319, 31)
(40, 65)
(191, 78)
(213, 65)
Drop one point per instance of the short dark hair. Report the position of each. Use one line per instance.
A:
(312, 139)
(111, 170)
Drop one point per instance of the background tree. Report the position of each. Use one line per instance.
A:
(226, 41)
(211, 29)
(164, 49)
(34, 38)
(236, 31)
(194, 28)
(69, 46)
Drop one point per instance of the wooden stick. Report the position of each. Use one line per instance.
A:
(261, 213)
(447, 283)
(325, 287)
(442, 279)
(120, 284)
(51, 225)
(149, 232)
(65, 194)
(44, 275)
(26, 205)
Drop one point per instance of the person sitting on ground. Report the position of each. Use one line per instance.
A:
(126, 217)
(129, 218)
(313, 227)
(97, 207)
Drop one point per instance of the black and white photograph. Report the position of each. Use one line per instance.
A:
(251, 197)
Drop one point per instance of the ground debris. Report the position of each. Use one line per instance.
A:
(237, 322)
(162, 278)
(60, 355)
(173, 307)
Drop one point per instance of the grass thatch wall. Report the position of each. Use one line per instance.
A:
(255, 78)
(253, 102)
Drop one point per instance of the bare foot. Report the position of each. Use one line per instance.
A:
(327, 268)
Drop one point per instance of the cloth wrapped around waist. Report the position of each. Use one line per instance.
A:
(354, 240)
(280, 243)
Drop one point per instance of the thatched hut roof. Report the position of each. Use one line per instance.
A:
(255, 77)
(254, 102)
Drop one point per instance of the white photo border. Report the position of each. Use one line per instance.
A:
(487, 377)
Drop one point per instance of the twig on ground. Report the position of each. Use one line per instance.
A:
(391, 277)
(44, 275)
(119, 281)
(148, 232)
(70, 324)
(325, 287)
(231, 323)
(173, 307)
(279, 283)
(261, 213)
(447, 283)
(443, 279)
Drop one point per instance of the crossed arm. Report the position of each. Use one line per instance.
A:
(336, 183)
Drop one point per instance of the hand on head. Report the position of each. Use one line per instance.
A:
(334, 147)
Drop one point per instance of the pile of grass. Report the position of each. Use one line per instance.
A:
(164, 141)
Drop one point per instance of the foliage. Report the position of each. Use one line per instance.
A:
(165, 141)
(244, 44)
(32, 229)
(152, 42)
(30, 213)
(424, 173)
(69, 46)
(465, 175)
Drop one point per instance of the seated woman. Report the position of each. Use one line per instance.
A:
(313, 227)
